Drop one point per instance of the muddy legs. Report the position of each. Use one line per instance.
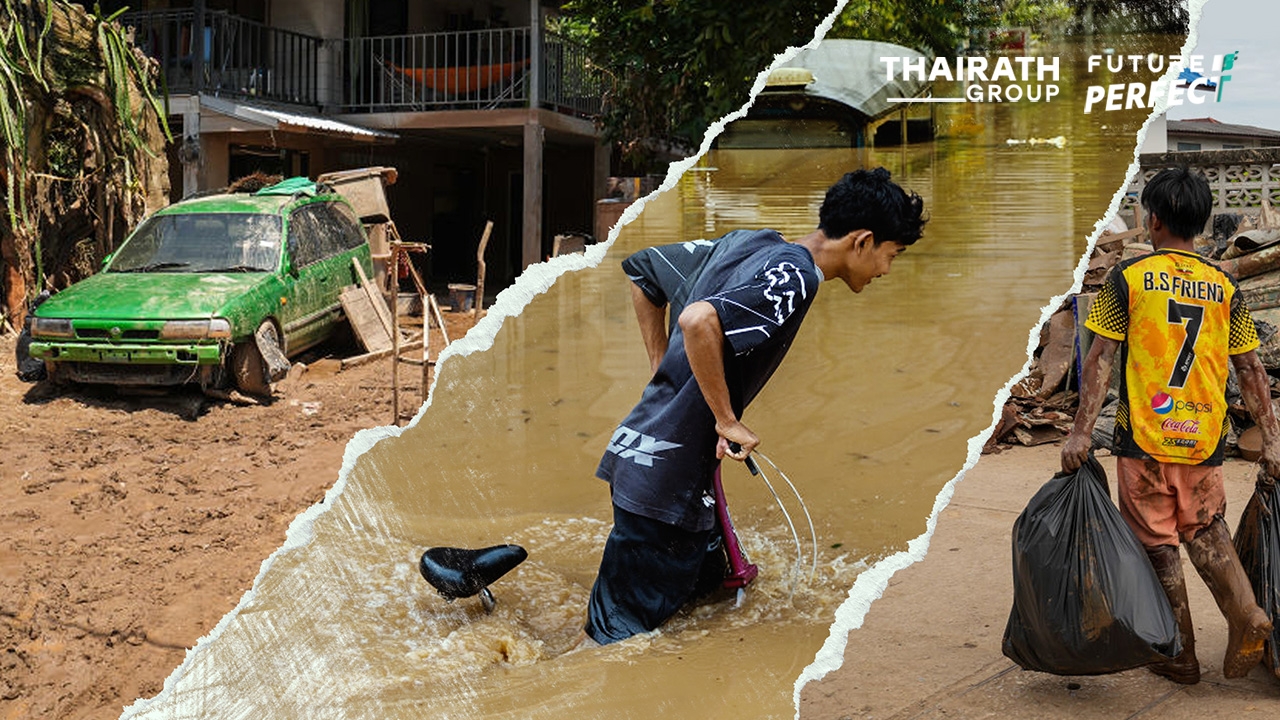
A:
(1215, 559)
(1184, 669)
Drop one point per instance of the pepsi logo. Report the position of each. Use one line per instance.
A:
(1162, 403)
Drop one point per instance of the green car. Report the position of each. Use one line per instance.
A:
(216, 290)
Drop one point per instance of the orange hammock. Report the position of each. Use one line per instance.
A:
(461, 80)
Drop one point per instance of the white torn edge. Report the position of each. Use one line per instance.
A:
(871, 583)
(535, 280)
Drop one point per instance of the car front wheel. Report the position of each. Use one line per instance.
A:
(251, 371)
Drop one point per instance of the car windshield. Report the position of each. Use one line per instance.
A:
(202, 242)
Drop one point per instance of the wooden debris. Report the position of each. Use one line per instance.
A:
(480, 268)
(1261, 292)
(1055, 361)
(1099, 266)
(371, 356)
(1250, 444)
(365, 323)
(1111, 242)
(375, 299)
(1135, 250)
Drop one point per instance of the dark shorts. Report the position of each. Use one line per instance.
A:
(650, 570)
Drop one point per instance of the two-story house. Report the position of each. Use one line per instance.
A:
(483, 108)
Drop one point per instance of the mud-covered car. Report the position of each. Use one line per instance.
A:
(216, 290)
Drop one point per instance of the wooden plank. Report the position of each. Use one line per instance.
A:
(372, 356)
(364, 320)
(375, 299)
(1269, 351)
(1254, 263)
(395, 340)
(480, 270)
(1261, 291)
(1055, 359)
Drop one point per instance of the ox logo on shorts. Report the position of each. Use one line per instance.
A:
(643, 449)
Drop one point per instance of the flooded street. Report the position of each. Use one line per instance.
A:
(869, 417)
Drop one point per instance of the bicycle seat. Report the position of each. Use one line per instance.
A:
(459, 573)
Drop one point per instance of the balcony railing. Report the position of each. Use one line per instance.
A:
(474, 70)
(569, 83)
(481, 69)
(229, 56)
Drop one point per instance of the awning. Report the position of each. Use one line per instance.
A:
(259, 117)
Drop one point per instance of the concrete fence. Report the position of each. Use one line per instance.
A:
(1240, 179)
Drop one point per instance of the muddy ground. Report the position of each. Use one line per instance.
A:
(130, 524)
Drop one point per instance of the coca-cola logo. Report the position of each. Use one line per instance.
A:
(1190, 427)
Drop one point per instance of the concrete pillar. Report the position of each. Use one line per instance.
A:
(531, 244)
(599, 182)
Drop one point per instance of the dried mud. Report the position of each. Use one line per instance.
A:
(130, 524)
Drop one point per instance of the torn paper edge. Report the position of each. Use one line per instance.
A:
(871, 583)
(533, 281)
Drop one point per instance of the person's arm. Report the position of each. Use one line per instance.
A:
(653, 326)
(1094, 381)
(704, 346)
(1256, 389)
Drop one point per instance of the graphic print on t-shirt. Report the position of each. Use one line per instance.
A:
(1180, 318)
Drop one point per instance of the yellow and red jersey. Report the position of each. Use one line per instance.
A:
(1179, 318)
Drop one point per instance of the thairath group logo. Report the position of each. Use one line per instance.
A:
(1162, 403)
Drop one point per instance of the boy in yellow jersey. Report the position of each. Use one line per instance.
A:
(1178, 319)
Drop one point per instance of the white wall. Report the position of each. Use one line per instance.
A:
(1211, 142)
(319, 18)
(1155, 141)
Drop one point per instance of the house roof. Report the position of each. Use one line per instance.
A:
(850, 72)
(1209, 126)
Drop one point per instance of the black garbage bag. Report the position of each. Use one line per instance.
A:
(1085, 598)
(1258, 545)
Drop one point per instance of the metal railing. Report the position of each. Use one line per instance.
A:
(472, 70)
(569, 83)
(479, 69)
(230, 56)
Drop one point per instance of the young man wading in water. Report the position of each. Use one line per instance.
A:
(749, 291)
(1177, 319)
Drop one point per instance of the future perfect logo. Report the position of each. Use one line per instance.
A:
(1162, 403)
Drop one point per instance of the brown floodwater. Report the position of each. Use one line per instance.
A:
(869, 416)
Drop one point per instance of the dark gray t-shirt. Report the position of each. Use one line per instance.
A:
(662, 458)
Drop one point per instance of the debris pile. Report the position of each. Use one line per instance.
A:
(1042, 406)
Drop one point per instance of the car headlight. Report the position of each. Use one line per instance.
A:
(195, 329)
(52, 328)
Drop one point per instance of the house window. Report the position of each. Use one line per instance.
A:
(1231, 146)
(1187, 147)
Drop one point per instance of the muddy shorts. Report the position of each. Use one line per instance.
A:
(650, 570)
(1163, 502)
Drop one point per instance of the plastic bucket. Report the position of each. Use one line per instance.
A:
(462, 297)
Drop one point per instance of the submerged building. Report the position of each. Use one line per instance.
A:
(837, 94)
